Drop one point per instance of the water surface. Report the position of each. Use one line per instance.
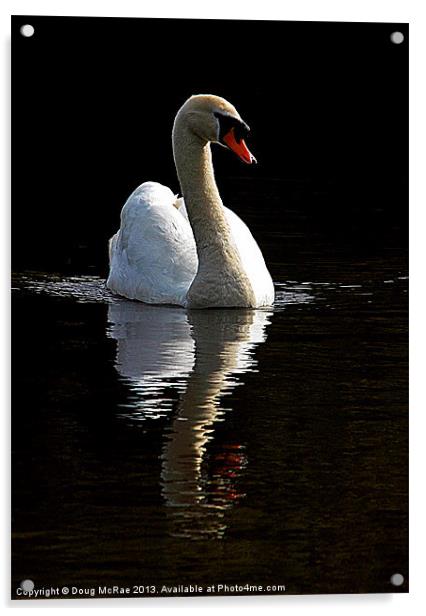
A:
(154, 445)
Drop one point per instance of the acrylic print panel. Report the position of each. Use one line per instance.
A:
(243, 448)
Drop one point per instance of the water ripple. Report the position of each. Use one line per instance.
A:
(290, 293)
(83, 289)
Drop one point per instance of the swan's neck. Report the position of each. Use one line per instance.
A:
(194, 167)
(221, 279)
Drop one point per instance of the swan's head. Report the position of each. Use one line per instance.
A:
(212, 118)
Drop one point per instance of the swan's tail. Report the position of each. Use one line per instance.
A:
(178, 202)
(111, 246)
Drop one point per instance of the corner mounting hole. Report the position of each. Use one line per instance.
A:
(27, 30)
(397, 38)
(27, 585)
(397, 579)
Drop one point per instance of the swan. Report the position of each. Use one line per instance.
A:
(191, 251)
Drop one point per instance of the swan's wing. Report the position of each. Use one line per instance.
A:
(252, 259)
(153, 256)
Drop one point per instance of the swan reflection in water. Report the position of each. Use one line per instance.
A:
(201, 354)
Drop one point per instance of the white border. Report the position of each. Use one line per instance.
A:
(299, 10)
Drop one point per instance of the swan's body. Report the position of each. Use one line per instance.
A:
(154, 231)
(199, 253)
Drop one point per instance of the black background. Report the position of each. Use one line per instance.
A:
(93, 107)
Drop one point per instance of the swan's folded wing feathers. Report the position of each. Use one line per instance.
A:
(252, 259)
(155, 255)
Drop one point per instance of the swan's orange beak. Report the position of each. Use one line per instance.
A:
(240, 148)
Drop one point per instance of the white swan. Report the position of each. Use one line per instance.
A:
(196, 253)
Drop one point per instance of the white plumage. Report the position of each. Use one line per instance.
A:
(153, 256)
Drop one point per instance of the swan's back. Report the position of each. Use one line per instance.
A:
(153, 256)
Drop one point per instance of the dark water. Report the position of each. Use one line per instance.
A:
(156, 446)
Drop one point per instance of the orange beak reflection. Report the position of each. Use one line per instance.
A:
(240, 148)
